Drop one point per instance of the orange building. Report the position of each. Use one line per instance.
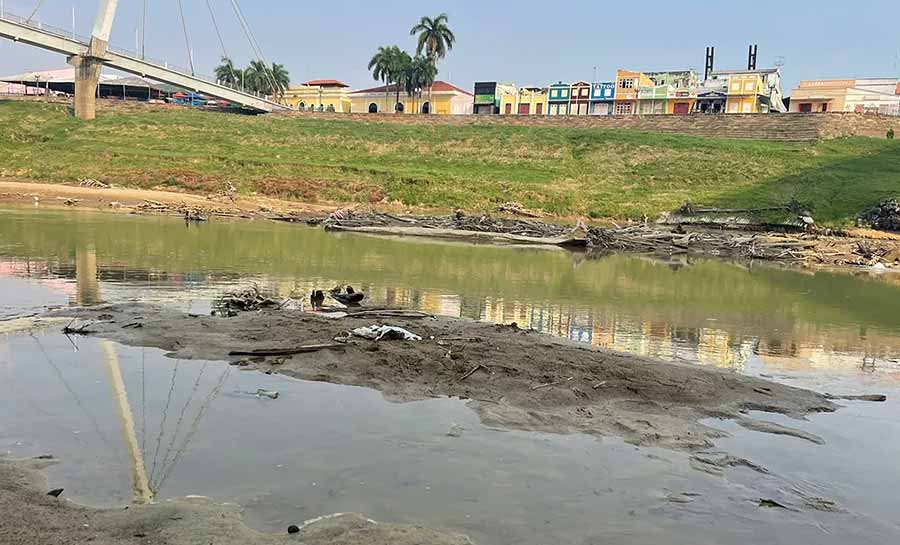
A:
(628, 83)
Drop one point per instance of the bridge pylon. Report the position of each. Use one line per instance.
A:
(89, 65)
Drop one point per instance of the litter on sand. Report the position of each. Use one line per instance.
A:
(385, 332)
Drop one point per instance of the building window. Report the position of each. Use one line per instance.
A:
(623, 109)
(749, 86)
(824, 107)
(806, 108)
(627, 84)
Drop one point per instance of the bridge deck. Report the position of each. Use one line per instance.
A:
(46, 37)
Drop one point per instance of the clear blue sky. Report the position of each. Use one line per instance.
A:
(524, 42)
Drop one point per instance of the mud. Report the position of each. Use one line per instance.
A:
(31, 517)
(514, 378)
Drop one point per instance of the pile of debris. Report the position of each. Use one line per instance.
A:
(885, 216)
(90, 182)
(190, 213)
(456, 221)
(249, 299)
(800, 248)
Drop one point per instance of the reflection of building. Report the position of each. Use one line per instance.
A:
(86, 279)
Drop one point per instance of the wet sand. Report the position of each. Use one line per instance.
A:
(514, 378)
(31, 517)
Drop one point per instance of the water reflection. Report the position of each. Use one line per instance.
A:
(708, 312)
(126, 420)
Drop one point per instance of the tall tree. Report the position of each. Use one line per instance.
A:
(281, 78)
(380, 66)
(435, 40)
(400, 65)
(227, 74)
(419, 75)
(258, 78)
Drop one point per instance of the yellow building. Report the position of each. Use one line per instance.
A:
(448, 100)
(744, 91)
(525, 101)
(323, 95)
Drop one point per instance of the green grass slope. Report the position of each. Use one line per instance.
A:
(563, 171)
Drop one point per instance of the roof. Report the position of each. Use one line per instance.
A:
(63, 75)
(325, 83)
(739, 72)
(437, 87)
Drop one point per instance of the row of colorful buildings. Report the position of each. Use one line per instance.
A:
(679, 92)
(669, 92)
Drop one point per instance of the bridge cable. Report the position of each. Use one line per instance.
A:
(253, 43)
(34, 11)
(222, 44)
(187, 41)
(144, 30)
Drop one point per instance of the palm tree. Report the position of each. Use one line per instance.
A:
(227, 74)
(419, 75)
(380, 66)
(400, 66)
(258, 78)
(281, 78)
(435, 39)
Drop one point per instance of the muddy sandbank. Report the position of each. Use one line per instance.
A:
(29, 516)
(513, 378)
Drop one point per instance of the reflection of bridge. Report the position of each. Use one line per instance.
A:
(88, 55)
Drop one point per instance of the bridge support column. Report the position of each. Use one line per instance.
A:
(87, 77)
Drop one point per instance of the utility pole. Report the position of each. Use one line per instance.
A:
(73, 21)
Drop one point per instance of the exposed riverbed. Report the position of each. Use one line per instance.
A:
(324, 448)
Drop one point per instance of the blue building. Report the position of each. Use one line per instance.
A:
(559, 98)
(602, 96)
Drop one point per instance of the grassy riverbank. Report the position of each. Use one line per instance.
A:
(562, 171)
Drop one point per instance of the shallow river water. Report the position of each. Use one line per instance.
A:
(323, 448)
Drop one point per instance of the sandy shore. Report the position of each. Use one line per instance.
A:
(514, 378)
(28, 516)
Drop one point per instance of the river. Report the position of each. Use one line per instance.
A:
(346, 449)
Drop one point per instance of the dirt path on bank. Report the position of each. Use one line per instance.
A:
(514, 378)
(123, 200)
(29, 516)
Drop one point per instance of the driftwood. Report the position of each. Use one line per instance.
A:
(549, 384)
(471, 372)
(288, 351)
(410, 314)
(458, 234)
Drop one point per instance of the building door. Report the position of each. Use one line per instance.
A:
(373, 108)
(524, 109)
(426, 108)
(508, 110)
(681, 108)
(539, 109)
